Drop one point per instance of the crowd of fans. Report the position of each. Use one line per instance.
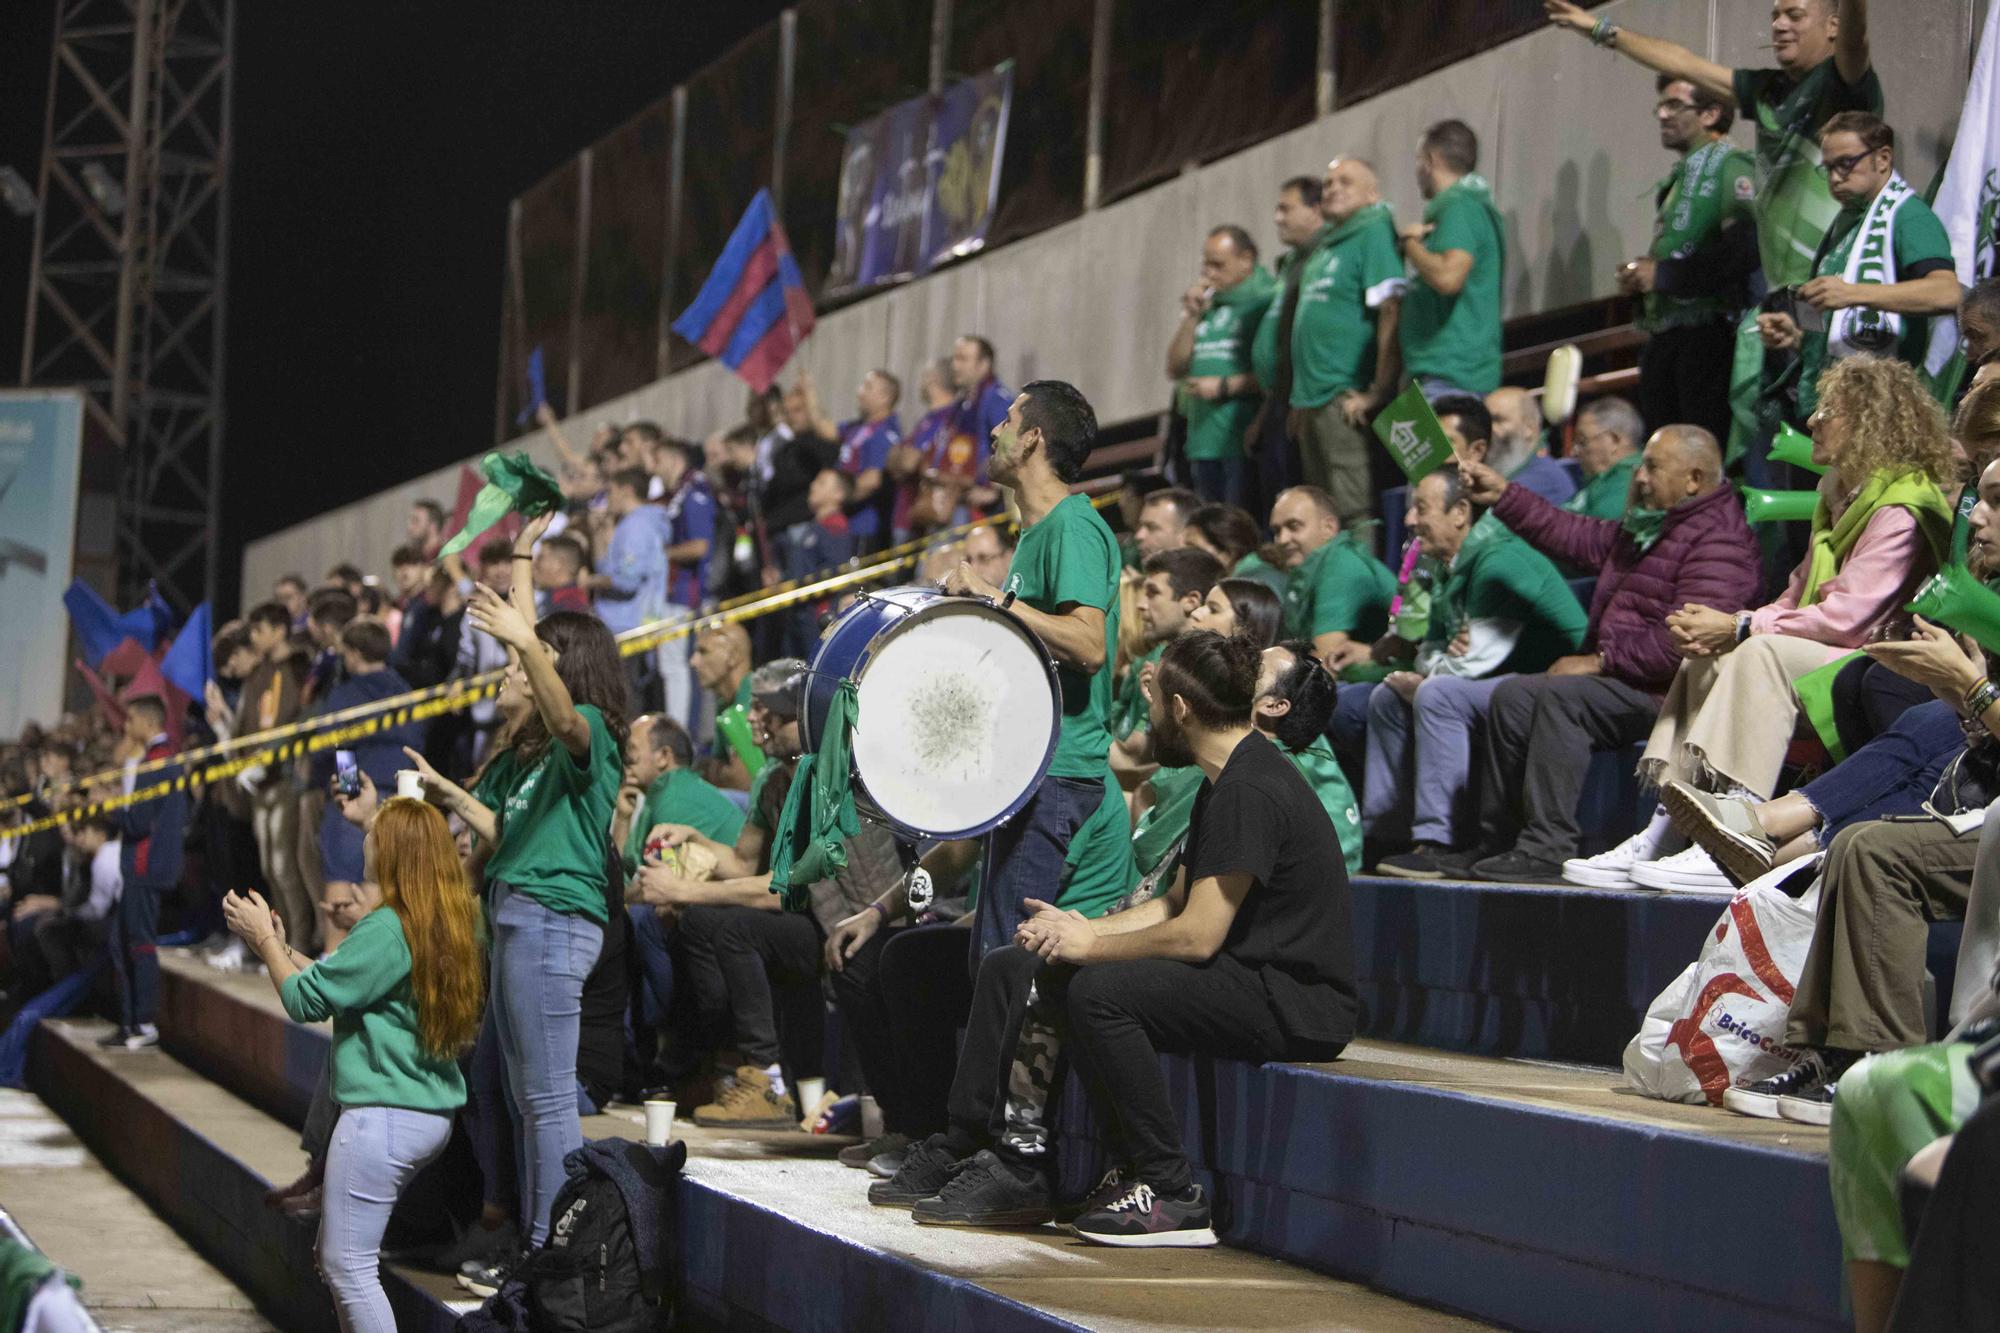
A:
(1259, 699)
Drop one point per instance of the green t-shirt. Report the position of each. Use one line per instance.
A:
(1497, 576)
(554, 819)
(1128, 706)
(1318, 766)
(1918, 243)
(1457, 338)
(1098, 870)
(1794, 206)
(683, 797)
(1605, 494)
(1222, 340)
(1264, 347)
(1341, 589)
(378, 1055)
(1071, 558)
(1713, 186)
(1345, 280)
(1256, 568)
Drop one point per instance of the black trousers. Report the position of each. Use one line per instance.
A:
(747, 966)
(1117, 1019)
(1867, 700)
(903, 996)
(1540, 731)
(1684, 378)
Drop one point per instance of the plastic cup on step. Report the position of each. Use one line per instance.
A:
(810, 1091)
(659, 1122)
(410, 784)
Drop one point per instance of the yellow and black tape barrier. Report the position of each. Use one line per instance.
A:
(223, 761)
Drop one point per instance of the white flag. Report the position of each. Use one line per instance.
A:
(1965, 200)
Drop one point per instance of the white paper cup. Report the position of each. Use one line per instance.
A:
(659, 1123)
(810, 1091)
(410, 784)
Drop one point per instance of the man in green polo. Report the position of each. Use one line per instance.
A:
(1883, 280)
(1336, 594)
(1209, 359)
(1063, 585)
(1450, 332)
(662, 787)
(1344, 337)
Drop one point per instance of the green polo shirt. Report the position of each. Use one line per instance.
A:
(1071, 558)
(1345, 280)
(1605, 494)
(1919, 244)
(1457, 338)
(553, 820)
(1339, 588)
(1497, 576)
(1222, 342)
(683, 797)
(378, 1053)
(1794, 206)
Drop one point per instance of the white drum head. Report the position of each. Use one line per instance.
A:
(956, 713)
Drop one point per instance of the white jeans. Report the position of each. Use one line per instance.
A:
(376, 1149)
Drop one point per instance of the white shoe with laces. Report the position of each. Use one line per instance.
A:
(1691, 871)
(1612, 869)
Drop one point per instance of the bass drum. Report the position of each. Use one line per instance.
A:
(958, 714)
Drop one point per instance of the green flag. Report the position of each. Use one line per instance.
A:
(1413, 435)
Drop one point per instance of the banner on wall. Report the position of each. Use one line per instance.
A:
(41, 447)
(919, 183)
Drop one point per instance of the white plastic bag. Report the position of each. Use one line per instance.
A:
(1721, 1023)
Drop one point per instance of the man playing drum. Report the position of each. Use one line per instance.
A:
(1063, 585)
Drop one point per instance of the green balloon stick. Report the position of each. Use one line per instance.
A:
(1778, 506)
(734, 724)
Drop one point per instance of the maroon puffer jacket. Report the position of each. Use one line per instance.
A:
(1705, 554)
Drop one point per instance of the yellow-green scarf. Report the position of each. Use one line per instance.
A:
(1832, 539)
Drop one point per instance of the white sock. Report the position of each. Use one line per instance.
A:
(777, 1077)
(1738, 792)
(1653, 837)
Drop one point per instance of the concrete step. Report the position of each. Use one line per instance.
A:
(756, 1211)
(138, 1275)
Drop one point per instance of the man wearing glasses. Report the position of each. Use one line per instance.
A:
(1883, 274)
(1694, 281)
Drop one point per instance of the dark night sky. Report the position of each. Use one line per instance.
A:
(377, 147)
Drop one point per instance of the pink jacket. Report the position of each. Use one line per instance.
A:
(1881, 573)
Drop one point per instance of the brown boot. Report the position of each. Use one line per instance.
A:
(750, 1103)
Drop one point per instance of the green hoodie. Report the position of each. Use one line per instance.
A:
(1222, 340)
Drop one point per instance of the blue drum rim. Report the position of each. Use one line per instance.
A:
(942, 603)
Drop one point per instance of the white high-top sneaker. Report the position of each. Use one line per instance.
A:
(1691, 871)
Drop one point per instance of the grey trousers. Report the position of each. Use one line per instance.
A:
(1883, 883)
(1540, 733)
(1420, 759)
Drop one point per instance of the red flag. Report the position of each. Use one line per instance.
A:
(127, 659)
(114, 712)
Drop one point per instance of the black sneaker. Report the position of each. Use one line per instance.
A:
(1106, 1191)
(1141, 1217)
(923, 1173)
(1517, 868)
(888, 1164)
(859, 1155)
(1760, 1099)
(1420, 862)
(113, 1040)
(144, 1037)
(988, 1192)
(1809, 1108)
(484, 1279)
(476, 1248)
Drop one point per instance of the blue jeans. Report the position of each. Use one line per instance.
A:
(1420, 759)
(1221, 479)
(1024, 857)
(656, 964)
(1893, 774)
(376, 1149)
(540, 958)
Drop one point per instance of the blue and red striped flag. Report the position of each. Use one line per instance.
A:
(753, 312)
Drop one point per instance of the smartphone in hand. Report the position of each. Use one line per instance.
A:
(346, 773)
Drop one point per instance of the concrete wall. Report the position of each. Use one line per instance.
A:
(1568, 140)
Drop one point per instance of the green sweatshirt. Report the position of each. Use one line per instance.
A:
(364, 987)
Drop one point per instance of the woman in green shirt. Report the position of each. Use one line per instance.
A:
(543, 806)
(404, 991)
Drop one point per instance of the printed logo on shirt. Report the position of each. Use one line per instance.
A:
(1746, 190)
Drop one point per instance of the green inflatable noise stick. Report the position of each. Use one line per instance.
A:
(1795, 448)
(1778, 506)
(734, 724)
(1955, 598)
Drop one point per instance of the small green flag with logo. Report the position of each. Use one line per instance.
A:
(1413, 435)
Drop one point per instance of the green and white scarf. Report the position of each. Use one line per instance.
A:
(1866, 254)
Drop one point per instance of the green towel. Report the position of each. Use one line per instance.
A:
(23, 1270)
(819, 817)
(511, 483)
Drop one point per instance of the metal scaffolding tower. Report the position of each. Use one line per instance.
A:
(128, 286)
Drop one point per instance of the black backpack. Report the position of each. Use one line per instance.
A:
(590, 1274)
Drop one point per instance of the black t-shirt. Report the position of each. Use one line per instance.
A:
(794, 464)
(1296, 927)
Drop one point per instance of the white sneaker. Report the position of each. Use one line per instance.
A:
(1691, 871)
(1612, 869)
(231, 957)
